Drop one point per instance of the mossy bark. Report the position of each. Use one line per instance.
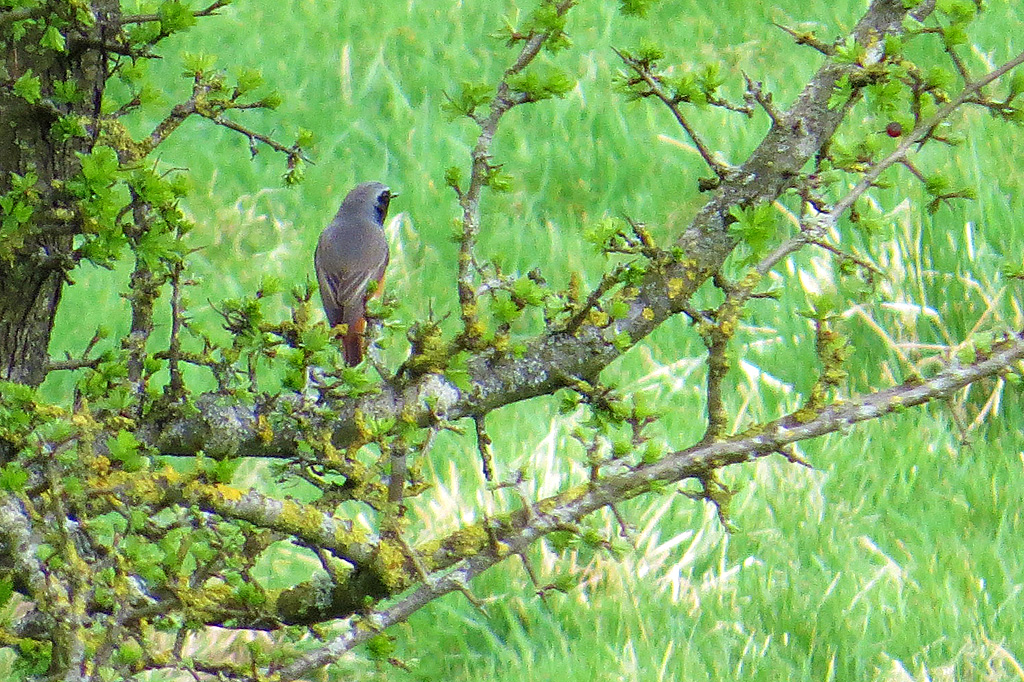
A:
(38, 255)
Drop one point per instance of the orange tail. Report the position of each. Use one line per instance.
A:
(352, 343)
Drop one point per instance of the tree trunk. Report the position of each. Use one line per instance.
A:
(35, 257)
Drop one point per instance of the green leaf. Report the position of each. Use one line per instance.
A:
(156, 246)
(937, 184)
(893, 46)
(1017, 82)
(13, 477)
(958, 11)
(542, 83)
(841, 93)
(453, 176)
(755, 226)
(271, 101)
(601, 233)
(466, 99)
(295, 174)
(6, 591)
(53, 39)
(28, 87)
(249, 80)
(457, 372)
(175, 16)
(196, 64)
(498, 180)
(315, 339)
(636, 8)
(546, 19)
(124, 448)
(305, 138)
(955, 34)
(686, 88)
(381, 647)
(938, 77)
(99, 166)
(618, 310)
(528, 291)
(505, 310)
(851, 52)
(66, 91)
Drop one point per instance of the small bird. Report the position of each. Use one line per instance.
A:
(352, 252)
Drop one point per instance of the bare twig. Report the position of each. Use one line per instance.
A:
(146, 18)
(483, 444)
(807, 38)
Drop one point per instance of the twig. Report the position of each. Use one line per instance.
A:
(719, 169)
(176, 385)
(146, 18)
(469, 199)
(756, 90)
(291, 151)
(921, 132)
(609, 280)
(483, 444)
(555, 513)
(807, 38)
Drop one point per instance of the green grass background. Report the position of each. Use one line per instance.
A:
(899, 557)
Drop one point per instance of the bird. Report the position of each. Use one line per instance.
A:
(352, 252)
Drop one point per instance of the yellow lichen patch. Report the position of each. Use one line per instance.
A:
(476, 329)
(750, 280)
(263, 430)
(203, 602)
(647, 314)
(99, 464)
(428, 549)
(675, 287)
(343, 536)
(300, 517)
(145, 489)
(598, 318)
(804, 415)
(467, 541)
(728, 327)
(391, 566)
(229, 493)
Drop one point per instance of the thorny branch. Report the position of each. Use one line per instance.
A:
(146, 18)
(482, 168)
(672, 102)
(554, 513)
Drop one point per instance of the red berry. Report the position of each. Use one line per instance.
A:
(894, 129)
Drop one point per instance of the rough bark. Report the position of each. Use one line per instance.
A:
(32, 279)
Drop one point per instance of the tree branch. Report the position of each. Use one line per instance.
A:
(556, 512)
(146, 18)
(552, 356)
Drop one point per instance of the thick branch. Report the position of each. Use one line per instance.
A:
(498, 381)
(569, 507)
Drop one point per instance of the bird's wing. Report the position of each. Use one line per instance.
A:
(346, 291)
